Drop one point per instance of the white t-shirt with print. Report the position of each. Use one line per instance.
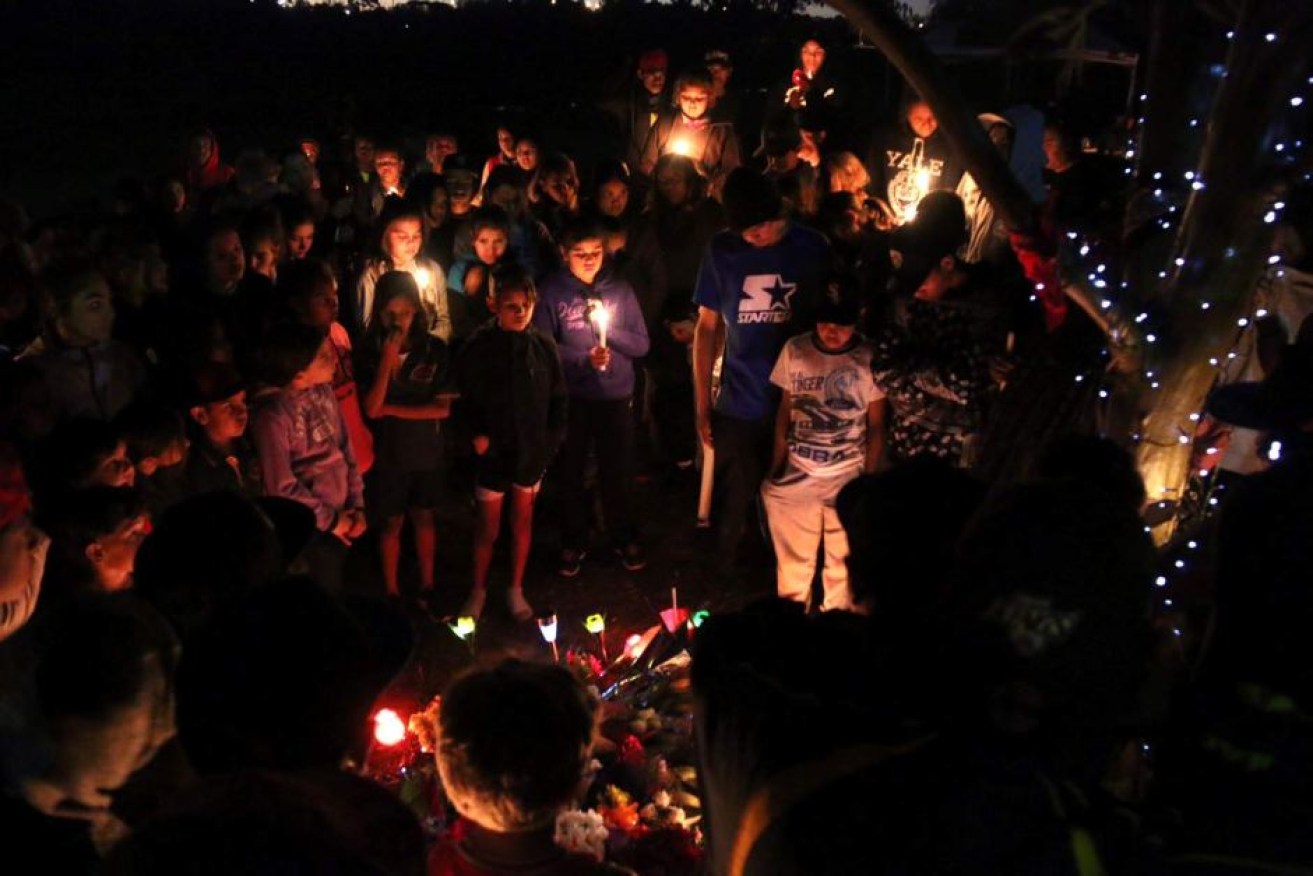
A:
(830, 394)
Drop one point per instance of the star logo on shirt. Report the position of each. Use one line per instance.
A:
(780, 292)
(765, 299)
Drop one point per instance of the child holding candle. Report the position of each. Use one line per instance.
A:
(599, 329)
(403, 235)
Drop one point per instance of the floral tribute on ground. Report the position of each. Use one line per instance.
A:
(640, 806)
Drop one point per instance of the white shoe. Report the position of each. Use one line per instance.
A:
(473, 606)
(518, 606)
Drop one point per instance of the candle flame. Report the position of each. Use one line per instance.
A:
(682, 146)
(389, 729)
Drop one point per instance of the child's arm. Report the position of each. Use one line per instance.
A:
(628, 334)
(876, 434)
(441, 327)
(783, 419)
(388, 360)
(438, 409)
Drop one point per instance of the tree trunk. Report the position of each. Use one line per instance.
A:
(1223, 242)
(881, 25)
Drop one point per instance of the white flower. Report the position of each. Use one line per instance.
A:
(582, 832)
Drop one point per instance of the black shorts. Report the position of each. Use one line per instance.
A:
(390, 494)
(497, 475)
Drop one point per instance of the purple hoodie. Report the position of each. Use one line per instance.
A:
(562, 314)
(305, 451)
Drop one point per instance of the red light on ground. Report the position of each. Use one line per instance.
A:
(389, 729)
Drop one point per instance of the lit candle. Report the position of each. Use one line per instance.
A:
(422, 277)
(682, 146)
(601, 318)
(388, 728)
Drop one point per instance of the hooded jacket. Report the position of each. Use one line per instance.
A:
(564, 303)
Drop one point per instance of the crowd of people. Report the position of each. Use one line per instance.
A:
(211, 393)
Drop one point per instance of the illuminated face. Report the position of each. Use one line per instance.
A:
(115, 470)
(460, 191)
(612, 198)
(438, 206)
(514, 311)
(921, 119)
(720, 74)
(264, 258)
(200, 149)
(506, 142)
(225, 260)
(812, 56)
(653, 79)
(300, 241)
(437, 149)
(834, 336)
(174, 454)
(114, 555)
(693, 101)
(321, 305)
(561, 188)
(402, 240)
(526, 155)
(673, 186)
(397, 315)
(223, 421)
(766, 233)
(584, 259)
(364, 151)
(388, 165)
(90, 316)
(175, 196)
(490, 245)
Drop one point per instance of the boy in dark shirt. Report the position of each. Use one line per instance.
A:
(221, 455)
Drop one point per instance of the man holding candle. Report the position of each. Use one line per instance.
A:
(594, 317)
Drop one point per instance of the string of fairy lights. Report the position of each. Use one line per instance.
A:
(1086, 264)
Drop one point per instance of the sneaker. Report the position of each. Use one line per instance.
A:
(571, 562)
(518, 606)
(473, 606)
(632, 557)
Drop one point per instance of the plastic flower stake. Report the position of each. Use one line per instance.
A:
(547, 627)
(464, 628)
(596, 624)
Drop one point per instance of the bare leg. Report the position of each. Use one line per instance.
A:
(389, 548)
(426, 545)
(485, 538)
(521, 534)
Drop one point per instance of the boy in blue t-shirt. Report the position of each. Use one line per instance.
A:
(758, 284)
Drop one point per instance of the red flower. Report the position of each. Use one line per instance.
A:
(632, 752)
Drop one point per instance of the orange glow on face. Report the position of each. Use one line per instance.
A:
(389, 729)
